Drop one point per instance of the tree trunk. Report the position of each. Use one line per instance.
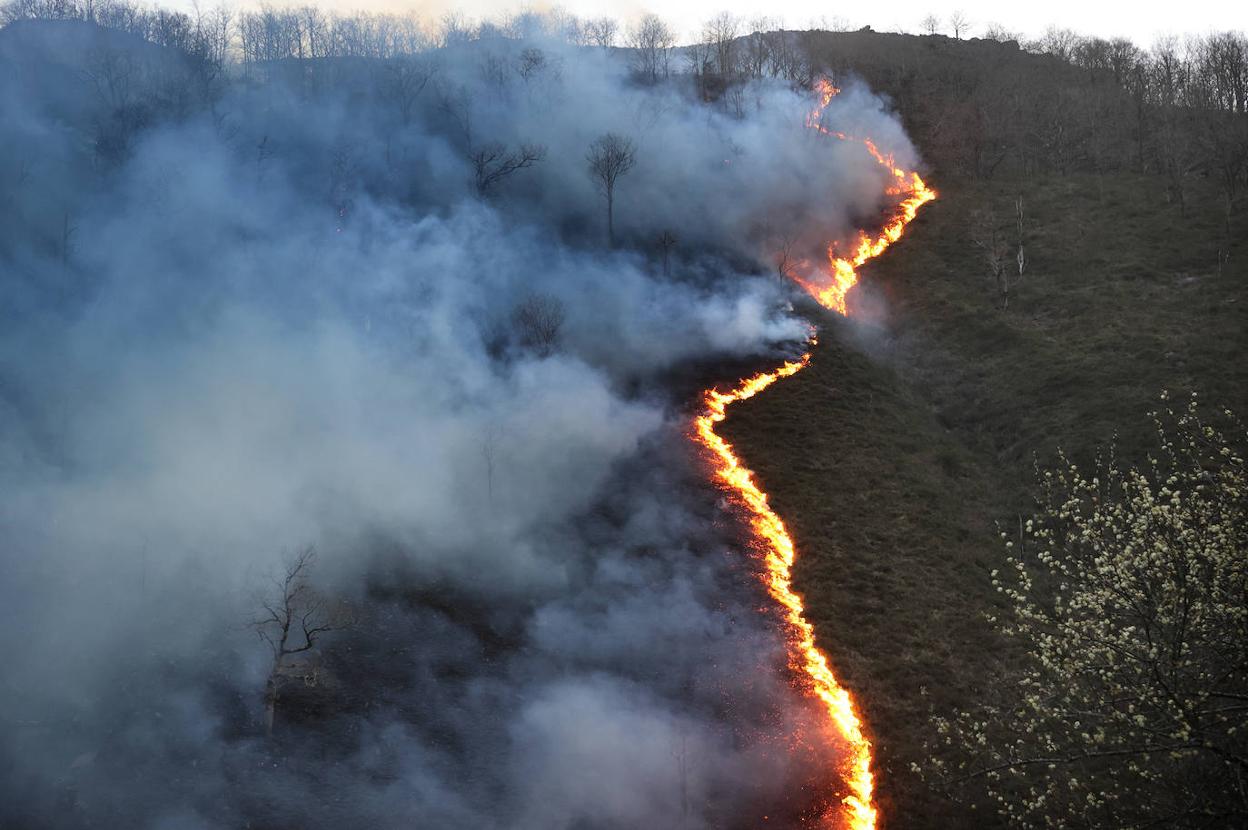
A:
(270, 705)
(610, 218)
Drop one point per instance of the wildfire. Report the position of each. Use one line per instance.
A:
(843, 269)
(771, 537)
(805, 658)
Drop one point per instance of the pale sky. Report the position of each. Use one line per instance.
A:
(1141, 21)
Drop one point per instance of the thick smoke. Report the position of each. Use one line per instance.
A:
(249, 313)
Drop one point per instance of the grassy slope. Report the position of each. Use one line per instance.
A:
(896, 454)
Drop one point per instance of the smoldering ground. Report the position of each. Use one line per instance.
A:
(251, 311)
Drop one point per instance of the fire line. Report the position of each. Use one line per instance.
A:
(808, 663)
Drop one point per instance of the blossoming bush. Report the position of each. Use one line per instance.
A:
(1128, 597)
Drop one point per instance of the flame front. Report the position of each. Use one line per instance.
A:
(772, 539)
(776, 547)
(843, 270)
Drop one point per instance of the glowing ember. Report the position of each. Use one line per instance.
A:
(843, 273)
(771, 536)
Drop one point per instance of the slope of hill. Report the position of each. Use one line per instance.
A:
(910, 441)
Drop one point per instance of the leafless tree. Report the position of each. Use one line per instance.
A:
(960, 23)
(454, 29)
(602, 31)
(997, 32)
(931, 25)
(758, 46)
(651, 41)
(538, 322)
(292, 619)
(1061, 43)
(609, 157)
(531, 63)
(493, 162)
(786, 256)
(406, 78)
(720, 32)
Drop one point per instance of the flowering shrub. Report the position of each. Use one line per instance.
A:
(1128, 597)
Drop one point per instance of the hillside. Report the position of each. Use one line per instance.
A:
(346, 373)
(910, 440)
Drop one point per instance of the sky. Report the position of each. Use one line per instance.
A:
(1143, 23)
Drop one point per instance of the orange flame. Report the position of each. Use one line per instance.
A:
(776, 547)
(770, 535)
(843, 270)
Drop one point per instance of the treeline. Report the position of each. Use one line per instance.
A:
(1064, 104)
(1057, 105)
(207, 35)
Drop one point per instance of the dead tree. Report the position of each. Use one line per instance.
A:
(292, 620)
(493, 162)
(787, 258)
(609, 157)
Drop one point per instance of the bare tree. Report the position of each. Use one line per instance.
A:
(406, 79)
(531, 63)
(997, 32)
(757, 46)
(292, 620)
(493, 162)
(651, 41)
(454, 29)
(787, 258)
(538, 321)
(609, 157)
(601, 31)
(720, 32)
(931, 25)
(960, 23)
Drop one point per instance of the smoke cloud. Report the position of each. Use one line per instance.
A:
(248, 313)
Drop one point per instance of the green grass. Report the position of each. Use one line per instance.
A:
(895, 457)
